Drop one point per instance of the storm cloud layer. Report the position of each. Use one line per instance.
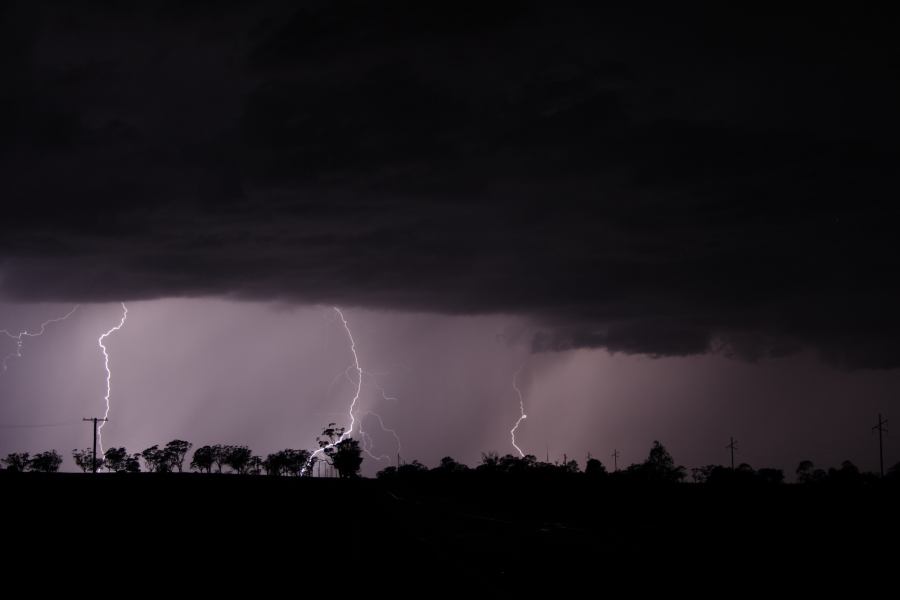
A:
(662, 183)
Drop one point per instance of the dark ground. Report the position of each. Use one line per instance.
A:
(508, 534)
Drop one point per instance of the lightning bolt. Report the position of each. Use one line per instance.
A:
(108, 372)
(19, 337)
(359, 373)
(523, 416)
(368, 445)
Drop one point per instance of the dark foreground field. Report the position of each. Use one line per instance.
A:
(504, 534)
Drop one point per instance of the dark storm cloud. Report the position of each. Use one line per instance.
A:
(662, 183)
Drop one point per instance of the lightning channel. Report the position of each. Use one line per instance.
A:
(359, 373)
(522, 415)
(108, 372)
(19, 337)
(367, 443)
(368, 449)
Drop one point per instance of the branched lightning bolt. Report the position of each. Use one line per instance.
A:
(108, 372)
(359, 373)
(369, 445)
(523, 416)
(19, 337)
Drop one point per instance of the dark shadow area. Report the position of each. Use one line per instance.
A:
(504, 531)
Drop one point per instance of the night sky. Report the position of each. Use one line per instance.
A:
(679, 224)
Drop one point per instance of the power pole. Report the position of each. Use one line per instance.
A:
(94, 420)
(615, 457)
(733, 447)
(881, 430)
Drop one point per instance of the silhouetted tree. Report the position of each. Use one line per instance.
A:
(345, 454)
(743, 475)
(204, 458)
(254, 465)
(508, 463)
(287, 462)
(83, 459)
(449, 465)
(176, 450)
(594, 468)
(490, 461)
(770, 476)
(115, 459)
(219, 453)
(848, 474)
(702, 474)
(294, 461)
(238, 458)
(804, 471)
(517, 464)
(133, 464)
(412, 468)
(46, 462)
(274, 463)
(570, 466)
(386, 473)
(157, 460)
(17, 462)
(659, 467)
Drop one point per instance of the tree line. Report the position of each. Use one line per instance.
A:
(658, 468)
(345, 457)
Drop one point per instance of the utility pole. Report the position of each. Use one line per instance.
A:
(880, 427)
(733, 447)
(615, 457)
(94, 420)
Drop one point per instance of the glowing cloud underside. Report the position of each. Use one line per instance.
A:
(108, 372)
(522, 415)
(20, 337)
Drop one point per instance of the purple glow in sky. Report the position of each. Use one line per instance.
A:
(273, 376)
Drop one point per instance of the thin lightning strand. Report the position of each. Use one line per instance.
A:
(386, 430)
(108, 372)
(18, 337)
(523, 416)
(384, 394)
(367, 443)
(359, 373)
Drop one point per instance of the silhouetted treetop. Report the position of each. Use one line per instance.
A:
(46, 462)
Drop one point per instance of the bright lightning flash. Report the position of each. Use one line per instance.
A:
(108, 373)
(359, 373)
(367, 443)
(523, 416)
(19, 337)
